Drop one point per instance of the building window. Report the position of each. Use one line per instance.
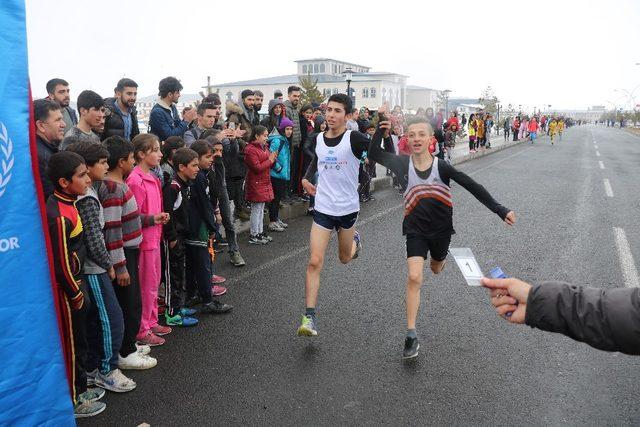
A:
(304, 69)
(315, 68)
(322, 68)
(372, 92)
(229, 96)
(365, 92)
(335, 69)
(335, 90)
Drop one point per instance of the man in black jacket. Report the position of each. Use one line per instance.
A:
(121, 116)
(607, 319)
(50, 127)
(58, 90)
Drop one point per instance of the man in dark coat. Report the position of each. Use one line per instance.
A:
(121, 116)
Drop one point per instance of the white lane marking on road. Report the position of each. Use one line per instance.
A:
(607, 188)
(629, 271)
(298, 251)
(601, 164)
(598, 153)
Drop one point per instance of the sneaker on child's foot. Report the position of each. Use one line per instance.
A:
(217, 280)
(115, 381)
(91, 377)
(88, 409)
(188, 312)
(358, 240)
(411, 347)
(136, 361)
(266, 237)
(218, 291)
(143, 349)
(216, 307)
(236, 259)
(160, 330)
(92, 394)
(308, 327)
(282, 223)
(274, 226)
(180, 320)
(257, 240)
(151, 339)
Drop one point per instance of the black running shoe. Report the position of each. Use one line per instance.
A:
(411, 347)
(216, 307)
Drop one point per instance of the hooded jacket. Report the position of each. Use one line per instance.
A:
(114, 122)
(258, 183)
(272, 121)
(281, 169)
(237, 114)
(164, 121)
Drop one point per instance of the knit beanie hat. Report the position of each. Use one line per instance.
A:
(285, 123)
(245, 93)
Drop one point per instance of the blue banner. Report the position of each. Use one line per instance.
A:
(33, 383)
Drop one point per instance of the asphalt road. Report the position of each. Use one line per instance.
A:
(249, 368)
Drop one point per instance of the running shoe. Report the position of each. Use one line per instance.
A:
(218, 291)
(184, 311)
(88, 409)
(115, 381)
(236, 259)
(143, 349)
(308, 327)
(216, 307)
(358, 240)
(179, 320)
(151, 339)
(274, 226)
(136, 361)
(282, 223)
(411, 347)
(257, 240)
(91, 377)
(217, 280)
(266, 237)
(160, 330)
(92, 394)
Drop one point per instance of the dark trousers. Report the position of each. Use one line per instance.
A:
(279, 191)
(74, 336)
(295, 184)
(227, 221)
(515, 135)
(175, 281)
(235, 191)
(130, 303)
(198, 272)
(105, 324)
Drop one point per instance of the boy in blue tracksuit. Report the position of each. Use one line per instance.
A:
(280, 171)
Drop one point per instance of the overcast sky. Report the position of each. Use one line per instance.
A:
(570, 54)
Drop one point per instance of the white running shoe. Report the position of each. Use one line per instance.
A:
(136, 361)
(143, 349)
(115, 381)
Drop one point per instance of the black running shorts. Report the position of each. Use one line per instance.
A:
(418, 245)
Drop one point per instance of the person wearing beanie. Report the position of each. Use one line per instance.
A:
(276, 113)
(277, 94)
(280, 142)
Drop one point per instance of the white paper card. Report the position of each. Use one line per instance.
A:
(468, 265)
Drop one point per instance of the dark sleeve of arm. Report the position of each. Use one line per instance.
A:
(230, 147)
(478, 191)
(312, 169)
(307, 147)
(398, 164)
(168, 200)
(135, 130)
(205, 203)
(387, 144)
(92, 232)
(607, 319)
(64, 263)
(359, 144)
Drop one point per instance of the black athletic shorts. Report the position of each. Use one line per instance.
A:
(418, 245)
(331, 222)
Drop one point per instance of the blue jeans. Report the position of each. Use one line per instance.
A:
(105, 324)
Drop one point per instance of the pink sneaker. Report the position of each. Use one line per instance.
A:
(151, 339)
(217, 280)
(161, 330)
(217, 291)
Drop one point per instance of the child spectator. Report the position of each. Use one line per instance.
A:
(105, 324)
(123, 235)
(258, 183)
(280, 172)
(68, 174)
(176, 198)
(145, 187)
(202, 224)
(169, 147)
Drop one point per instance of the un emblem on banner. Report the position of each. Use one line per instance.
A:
(6, 156)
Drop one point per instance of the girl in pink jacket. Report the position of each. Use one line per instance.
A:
(146, 188)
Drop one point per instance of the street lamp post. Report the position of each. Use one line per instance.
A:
(348, 77)
(446, 93)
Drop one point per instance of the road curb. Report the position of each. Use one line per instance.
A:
(296, 210)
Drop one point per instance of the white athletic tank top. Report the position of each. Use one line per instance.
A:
(418, 188)
(337, 190)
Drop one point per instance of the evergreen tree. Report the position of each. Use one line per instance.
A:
(310, 92)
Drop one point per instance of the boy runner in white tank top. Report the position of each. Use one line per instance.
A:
(428, 218)
(337, 162)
